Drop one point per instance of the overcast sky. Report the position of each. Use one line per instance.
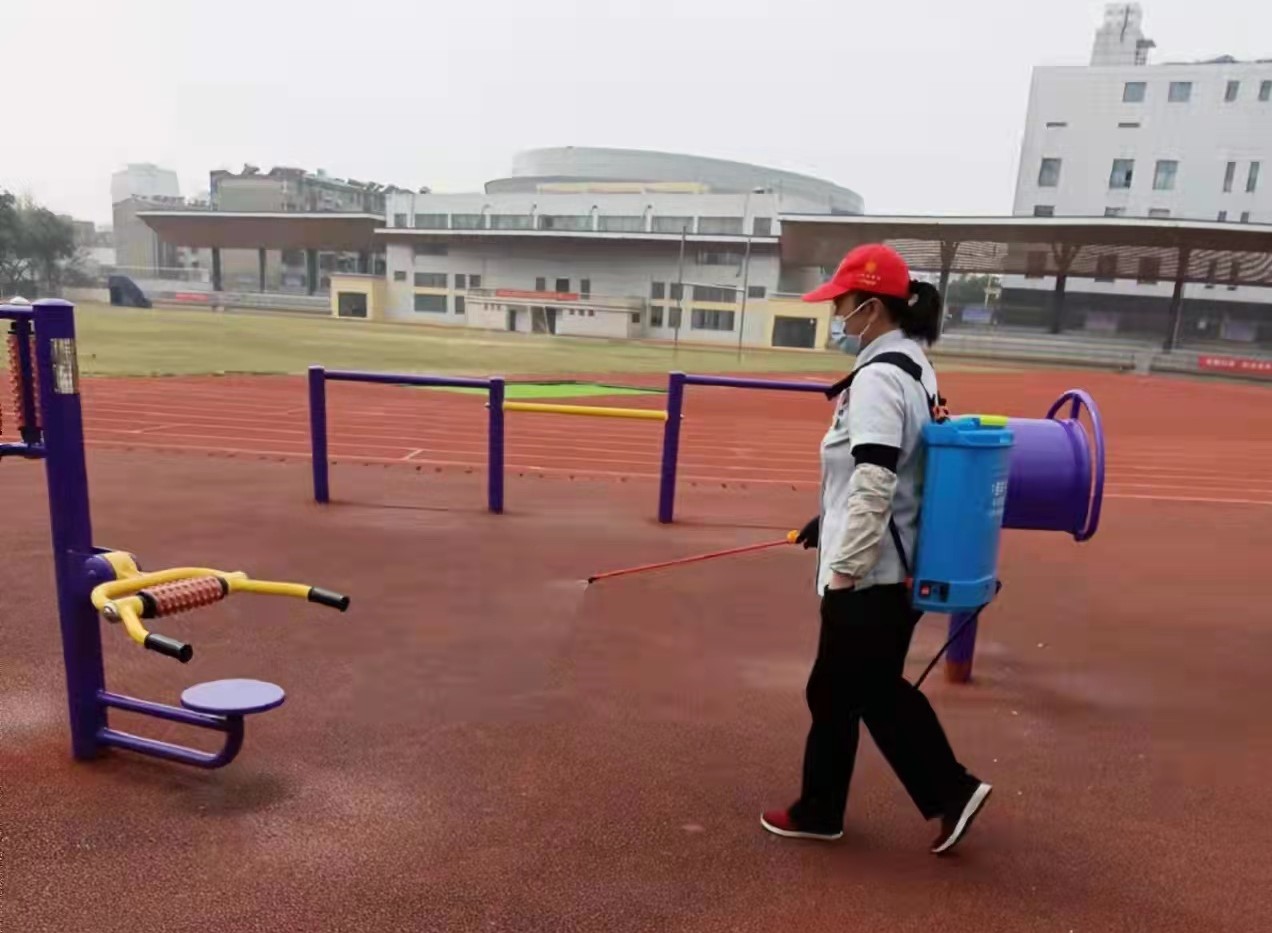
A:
(916, 104)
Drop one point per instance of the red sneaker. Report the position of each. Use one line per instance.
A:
(779, 823)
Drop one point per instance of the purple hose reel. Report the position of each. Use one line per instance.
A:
(1056, 483)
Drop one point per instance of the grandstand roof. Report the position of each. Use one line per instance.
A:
(1230, 253)
(265, 229)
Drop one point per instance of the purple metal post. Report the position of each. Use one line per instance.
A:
(318, 433)
(671, 447)
(69, 521)
(958, 657)
(495, 451)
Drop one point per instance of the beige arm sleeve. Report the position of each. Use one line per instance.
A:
(870, 494)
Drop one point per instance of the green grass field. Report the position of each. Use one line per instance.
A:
(133, 342)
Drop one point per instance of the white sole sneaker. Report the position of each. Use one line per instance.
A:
(793, 834)
(970, 809)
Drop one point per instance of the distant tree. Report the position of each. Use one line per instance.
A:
(35, 245)
(970, 289)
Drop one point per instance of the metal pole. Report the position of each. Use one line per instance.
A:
(70, 522)
(680, 288)
(746, 276)
(958, 658)
(495, 452)
(1177, 300)
(671, 447)
(318, 432)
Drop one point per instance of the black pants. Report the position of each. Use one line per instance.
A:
(865, 635)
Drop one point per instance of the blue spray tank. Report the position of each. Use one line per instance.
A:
(968, 461)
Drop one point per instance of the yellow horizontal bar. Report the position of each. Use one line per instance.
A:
(643, 414)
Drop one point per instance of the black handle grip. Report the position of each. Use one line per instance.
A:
(328, 598)
(170, 647)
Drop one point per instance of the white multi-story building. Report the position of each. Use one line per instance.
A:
(143, 180)
(605, 243)
(1123, 138)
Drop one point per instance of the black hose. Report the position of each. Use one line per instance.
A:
(998, 585)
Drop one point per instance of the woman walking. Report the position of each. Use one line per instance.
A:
(865, 536)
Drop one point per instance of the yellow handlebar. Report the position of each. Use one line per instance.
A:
(127, 599)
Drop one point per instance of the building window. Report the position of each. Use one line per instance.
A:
(1044, 210)
(1158, 212)
(1231, 91)
(1129, 125)
(1229, 176)
(1106, 268)
(1180, 92)
(474, 281)
(1123, 172)
(430, 221)
(399, 276)
(1164, 175)
(430, 280)
(429, 249)
(461, 280)
(1049, 173)
(565, 222)
(708, 293)
(756, 291)
(1056, 124)
(399, 220)
(1252, 180)
(1265, 91)
(468, 221)
(433, 304)
(620, 223)
(1245, 217)
(719, 258)
(1223, 217)
(591, 312)
(1114, 211)
(672, 225)
(1150, 270)
(635, 317)
(701, 319)
(762, 226)
(657, 289)
(460, 305)
(721, 226)
(585, 288)
(510, 222)
(655, 317)
(1035, 264)
(541, 284)
(562, 286)
(1133, 92)
(677, 291)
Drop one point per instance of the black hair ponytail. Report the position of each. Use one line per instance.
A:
(919, 316)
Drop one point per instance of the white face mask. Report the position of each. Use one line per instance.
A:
(848, 343)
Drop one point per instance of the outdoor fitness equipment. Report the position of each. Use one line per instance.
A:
(44, 378)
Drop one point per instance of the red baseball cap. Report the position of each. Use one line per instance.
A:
(872, 267)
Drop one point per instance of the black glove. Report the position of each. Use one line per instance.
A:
(810, 533)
